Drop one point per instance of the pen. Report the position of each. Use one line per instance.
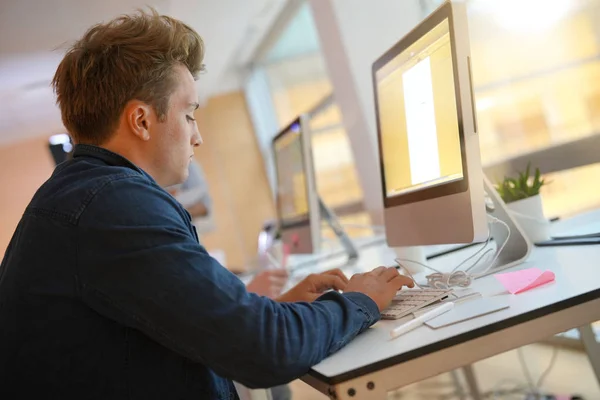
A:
(418, 321)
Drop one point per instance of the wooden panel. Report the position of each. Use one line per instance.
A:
(236, 177)
(24, 166)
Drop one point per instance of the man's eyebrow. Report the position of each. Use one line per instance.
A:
(194, 105)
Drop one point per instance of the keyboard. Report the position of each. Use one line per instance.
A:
(408, 301)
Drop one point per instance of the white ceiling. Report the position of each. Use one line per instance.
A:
(35, 33)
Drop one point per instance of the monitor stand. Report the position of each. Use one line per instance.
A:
(518, 247)
(329, 216)
(515, 251)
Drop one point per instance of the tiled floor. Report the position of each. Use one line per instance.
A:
(571, 374)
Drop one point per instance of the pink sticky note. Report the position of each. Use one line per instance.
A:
(521, 281)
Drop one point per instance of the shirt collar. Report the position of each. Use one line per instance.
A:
(109, 157)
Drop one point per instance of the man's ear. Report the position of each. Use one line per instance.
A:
(138, 118)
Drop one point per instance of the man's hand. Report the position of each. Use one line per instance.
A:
(380, 285)
(314, 285)
(268, 283)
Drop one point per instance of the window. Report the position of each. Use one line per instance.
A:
(537, 84)
(293, 75)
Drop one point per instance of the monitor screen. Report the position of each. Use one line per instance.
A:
(418, 122)
(292, 190)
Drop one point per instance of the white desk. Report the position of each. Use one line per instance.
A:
(372, 364)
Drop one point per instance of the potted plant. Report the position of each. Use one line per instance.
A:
(522, 197)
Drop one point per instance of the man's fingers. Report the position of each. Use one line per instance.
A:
(336, 272)
(378, 271)
(324, 282)
(390, 273)
(400, 281)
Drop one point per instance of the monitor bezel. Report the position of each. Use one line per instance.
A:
(444, 12)
(305, 221)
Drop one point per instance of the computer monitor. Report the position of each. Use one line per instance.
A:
(297, 200)
(431, 171)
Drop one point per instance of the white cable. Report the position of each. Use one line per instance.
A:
(408, 272)
(530, 389)
(438, 280)
(491, 264)
(446, 281)
(462, 278)
(525, 369)
(545, 374)
(485, 244)
(450, 279)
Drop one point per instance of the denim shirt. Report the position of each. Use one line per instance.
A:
(105, 293)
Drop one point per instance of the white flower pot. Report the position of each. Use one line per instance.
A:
(529, 213)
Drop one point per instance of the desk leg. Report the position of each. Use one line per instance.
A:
(592, 348)
(252, 394)
(460, 393)
(472, 382)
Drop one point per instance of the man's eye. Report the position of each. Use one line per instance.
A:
(190, 119)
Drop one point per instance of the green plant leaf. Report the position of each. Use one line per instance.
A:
(536, 179)
(522, 186)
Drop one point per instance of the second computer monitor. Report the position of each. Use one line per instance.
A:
(431, 171)
(297, 200)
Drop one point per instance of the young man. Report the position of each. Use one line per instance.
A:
(105, 292)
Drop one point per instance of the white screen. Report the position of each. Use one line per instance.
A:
(420, 123)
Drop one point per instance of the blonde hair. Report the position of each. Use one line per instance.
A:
(130, 57)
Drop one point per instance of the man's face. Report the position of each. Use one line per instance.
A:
(177, 136)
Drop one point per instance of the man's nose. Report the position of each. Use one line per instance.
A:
(197, 139)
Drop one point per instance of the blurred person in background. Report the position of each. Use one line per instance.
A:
(194, 196)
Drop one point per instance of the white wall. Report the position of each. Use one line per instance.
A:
(353, 34)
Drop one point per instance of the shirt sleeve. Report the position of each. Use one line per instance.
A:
(140, 265)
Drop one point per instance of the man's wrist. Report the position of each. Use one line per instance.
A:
(283, 298)
(366, 304)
